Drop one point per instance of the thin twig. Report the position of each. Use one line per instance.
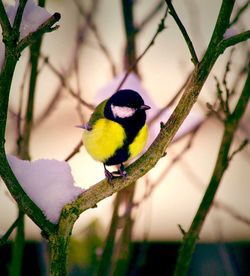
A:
(12, 54)
(232, 212)
(224, 81)
(157, 149)
(5, 237)
(219, 94)
(50, 108)
(241, 73)
(4, 21)
(191, 237)
(172, 11)
(240, 148)
(219, 204)
(97, 35)
(160, 28)
(157, 7)
(28, 123)
(215, 112)
(240, 11)
(172, 101)
(104, 49)
(75, 151)
(176, 159)
(231, 41)
(79, 91)
(18, 17)
(47, 26)
(19, 114)
(80, 39)
(65, 84)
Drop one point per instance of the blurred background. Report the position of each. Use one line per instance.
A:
(85, 58)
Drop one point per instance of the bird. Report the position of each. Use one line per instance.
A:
(117, 131)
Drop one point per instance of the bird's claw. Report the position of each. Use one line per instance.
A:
(122, 171)
(109, 176)
(116, 174)
(123, 174)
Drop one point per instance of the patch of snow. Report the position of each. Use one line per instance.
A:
(33, 17)
(49, 183)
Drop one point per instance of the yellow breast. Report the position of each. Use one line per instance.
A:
(139, 142)
(104, 139)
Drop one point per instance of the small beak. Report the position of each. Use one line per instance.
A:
(145, 107)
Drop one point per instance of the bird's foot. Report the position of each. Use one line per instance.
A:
(122, 171)
(109, 176)
(116, 174)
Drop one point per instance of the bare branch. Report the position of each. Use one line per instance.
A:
(66, 85)
(240, 148)
(5, 237)
(155, 152)
(172, 11)
(240, 11)
(219, 204)
(172, 101)
(47, 26)
(97, 35)
(233, 40)
(230, 126)
(4, 21)
(161, 27)
(18, 17)
(150, 16)
(75, 151)
(215, 112)
(19, 114)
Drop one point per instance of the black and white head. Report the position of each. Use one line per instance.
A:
(126, 106)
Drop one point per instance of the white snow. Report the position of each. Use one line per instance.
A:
(33, 17)
(49, 183)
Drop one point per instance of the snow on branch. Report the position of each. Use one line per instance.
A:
(33, 17)
(49, 183)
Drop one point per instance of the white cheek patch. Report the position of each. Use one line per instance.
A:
(122, 111)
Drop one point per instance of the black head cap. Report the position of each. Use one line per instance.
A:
(126, 97)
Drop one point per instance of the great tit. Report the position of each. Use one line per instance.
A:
(117, 130)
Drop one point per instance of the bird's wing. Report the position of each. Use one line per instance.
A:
(97, 114)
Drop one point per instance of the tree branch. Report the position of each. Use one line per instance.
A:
(18, 246)
(75, 150)
(66, 85)
(5, 237)
(12, 52)
(18, 17)
(44, 28)
(240, 148)
(146, 162)
(97, 35)
(172, 11)
(233, 40)
(150, 16)
(230, 126)
(4, 21)
(242, 9)
(135, 62)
